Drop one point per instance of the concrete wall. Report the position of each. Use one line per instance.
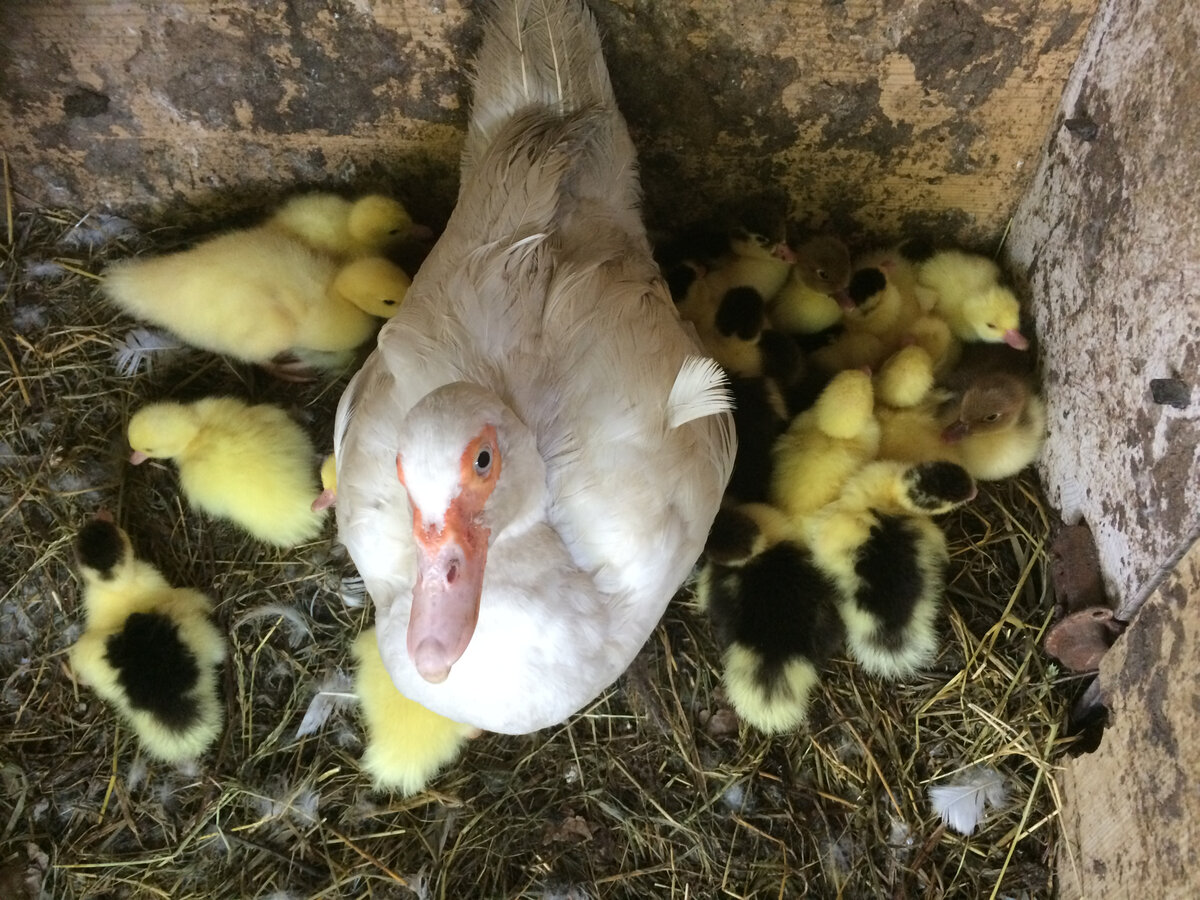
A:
(867, 114)
(1107, 237)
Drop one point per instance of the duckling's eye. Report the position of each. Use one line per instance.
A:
(991, 417)
(389, 302)
(483, 462)
(822, 274)
(990, 326)
(762, 240)
(395, 231)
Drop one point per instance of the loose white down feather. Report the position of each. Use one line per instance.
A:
(960, 802)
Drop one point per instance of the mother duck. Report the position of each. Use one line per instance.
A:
(529, 462)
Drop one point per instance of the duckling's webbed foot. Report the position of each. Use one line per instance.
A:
(287, 367)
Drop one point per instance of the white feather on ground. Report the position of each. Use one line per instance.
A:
(296, 624)
(961, 801)
(139, 347)
(334, 693)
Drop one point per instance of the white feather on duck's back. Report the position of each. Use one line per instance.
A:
(541, 317)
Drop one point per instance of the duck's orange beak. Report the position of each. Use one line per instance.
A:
(450, 566)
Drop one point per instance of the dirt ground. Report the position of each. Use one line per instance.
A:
(653, 791)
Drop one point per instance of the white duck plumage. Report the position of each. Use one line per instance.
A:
(538, 330)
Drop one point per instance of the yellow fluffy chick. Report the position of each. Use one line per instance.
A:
(971, 299)
(149, 649)
(905, 378)
(774, 613)
(249, 464)
(825, 445)
(882, 321)
(260, 293)
(902, 263)
(877, 543)
(328, 495)
(345, 228)
(993, 428)
(753, 261)
(807, 302)
(406, 743)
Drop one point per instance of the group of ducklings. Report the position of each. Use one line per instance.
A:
(298, 293)
(871, 395)
(869, 399)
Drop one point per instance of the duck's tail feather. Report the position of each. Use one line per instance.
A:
(542, 53)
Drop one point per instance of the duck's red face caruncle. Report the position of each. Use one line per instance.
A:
(451, 555)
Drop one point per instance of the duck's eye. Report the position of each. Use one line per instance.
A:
(989, 325)
(822, 274)
(762, 240)
(389, 302)
(483, 462)
(992, 417)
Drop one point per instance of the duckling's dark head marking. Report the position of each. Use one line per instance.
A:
(99, 546)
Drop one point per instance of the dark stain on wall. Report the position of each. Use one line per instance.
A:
(706, 120)
(853, 119)
(956, 52)
(301, 72)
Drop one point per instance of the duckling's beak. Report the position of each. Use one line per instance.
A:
(137, 457)
(1015, 339)
(844, 300)
(325, 499)
(784, 252)
(955, 432)
(420, 233)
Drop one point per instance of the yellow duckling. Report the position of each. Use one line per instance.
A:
(149, 649)
(753, 262)
(902, 263)
(346, 228)
(406, 743)
(259, 294)
(905, 378)
(774, 612)
(882, 321)
(328, 495)
(249, 464)
(994, 427)
(825, 445)
(877, 543)
(971, 299)
(807, 302)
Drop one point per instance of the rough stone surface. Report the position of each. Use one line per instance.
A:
(1106, 239)
(1131, 819)
(866, 115)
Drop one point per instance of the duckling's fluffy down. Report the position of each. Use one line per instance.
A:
(406, 743)
(149, 649)
(250, 464)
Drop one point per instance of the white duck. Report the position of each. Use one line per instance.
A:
(529, 462)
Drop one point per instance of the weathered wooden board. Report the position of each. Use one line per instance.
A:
(1106, 239)
(867, 114)
(1132, 813)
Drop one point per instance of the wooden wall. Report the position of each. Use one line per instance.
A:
(868, 115)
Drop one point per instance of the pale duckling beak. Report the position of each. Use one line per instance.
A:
(137, 457)
(420, 233)
(1015, 339)
(955, 432)
(784, 252)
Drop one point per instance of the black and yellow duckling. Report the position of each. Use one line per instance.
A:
(149, 649)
